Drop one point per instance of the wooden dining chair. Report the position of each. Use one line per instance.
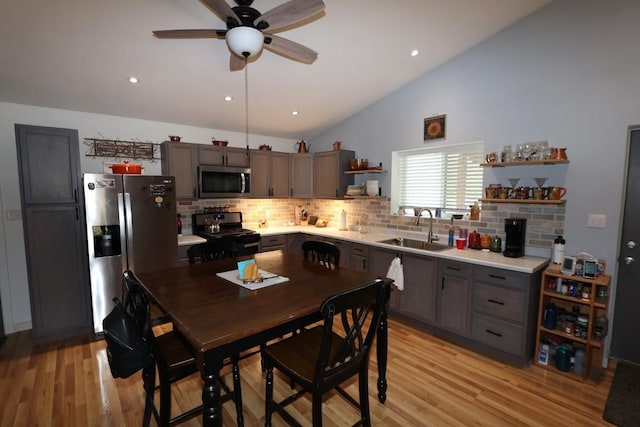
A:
(173, 362)
(325, 253)
(320, 359)
(213, 250)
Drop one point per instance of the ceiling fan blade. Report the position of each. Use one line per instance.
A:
(236, 63)
(189, 34)
(290, 49)
(287, 14)
(223, 10)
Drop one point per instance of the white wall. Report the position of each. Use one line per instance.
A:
(13, 273)
(567, 74)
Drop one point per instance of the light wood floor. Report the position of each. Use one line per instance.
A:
(431, 382)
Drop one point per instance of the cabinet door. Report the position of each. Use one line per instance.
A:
(273, 243)
(49, 164)
(237, 157)
(345, 251)
(379, 261)
(360, 257)
(211, 155)
(181, 160)
(279, 174)
(418, 299)
(326, 179)
(260, 185)
(453, 298)
(58, 272)
(301, 174)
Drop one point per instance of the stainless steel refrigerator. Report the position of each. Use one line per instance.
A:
(131, 224)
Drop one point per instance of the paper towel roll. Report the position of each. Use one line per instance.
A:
(343, 220)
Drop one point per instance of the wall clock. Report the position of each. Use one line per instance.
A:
(434, 127)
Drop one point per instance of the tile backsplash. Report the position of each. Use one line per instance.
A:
(544, 222)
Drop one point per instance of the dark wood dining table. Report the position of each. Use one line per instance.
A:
(218, 318)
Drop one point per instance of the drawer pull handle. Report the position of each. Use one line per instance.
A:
(495, 302)
(453, 268)
(497, 277)
(489, 331)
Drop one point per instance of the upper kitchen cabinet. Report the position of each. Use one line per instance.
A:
(180, 159)
(222, 156)
(301, 175)
(329, 180)
(269, 174)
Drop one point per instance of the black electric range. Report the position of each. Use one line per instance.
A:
(229, 226)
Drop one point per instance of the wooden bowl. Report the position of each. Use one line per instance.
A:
(174, 138)
(219, 143)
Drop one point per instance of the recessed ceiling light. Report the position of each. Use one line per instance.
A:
(228, 98)
(415, 52)
(294, 113)
(133, 80)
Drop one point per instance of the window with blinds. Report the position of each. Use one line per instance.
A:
(448, 177)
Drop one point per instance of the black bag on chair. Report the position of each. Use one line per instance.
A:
(127, 347)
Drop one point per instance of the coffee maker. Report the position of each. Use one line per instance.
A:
(516, 229)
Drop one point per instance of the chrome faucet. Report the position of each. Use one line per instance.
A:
(430, 237)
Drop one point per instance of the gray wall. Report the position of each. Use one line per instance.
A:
(567, 74)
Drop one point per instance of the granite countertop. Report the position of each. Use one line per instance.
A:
(525, 264)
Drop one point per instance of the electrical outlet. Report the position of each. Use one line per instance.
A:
(597, 221)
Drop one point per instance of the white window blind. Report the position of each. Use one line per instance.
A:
(448, 177)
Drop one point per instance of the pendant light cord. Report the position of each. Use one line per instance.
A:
(246, 102)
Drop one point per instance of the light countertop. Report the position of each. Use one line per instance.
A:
(189, 239)
(525, 264)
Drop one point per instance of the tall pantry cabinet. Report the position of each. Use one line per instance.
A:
(55, 236)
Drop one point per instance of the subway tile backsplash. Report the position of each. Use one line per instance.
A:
(544, 222)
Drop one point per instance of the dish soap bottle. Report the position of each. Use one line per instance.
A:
(451, 233)
(475, 212)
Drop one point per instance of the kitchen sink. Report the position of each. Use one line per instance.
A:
(414, 243)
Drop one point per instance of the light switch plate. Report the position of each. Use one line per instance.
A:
(597, 221)
(13, 214)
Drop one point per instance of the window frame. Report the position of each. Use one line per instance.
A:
(443, 148)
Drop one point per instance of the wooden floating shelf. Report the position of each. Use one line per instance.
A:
(524, 163)
(362, 171)
(526, 201)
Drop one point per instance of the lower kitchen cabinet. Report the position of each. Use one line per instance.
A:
(417, 300)
(504, 311)
(359, 257)
(273, 243)
(345, 251)
(453, 297)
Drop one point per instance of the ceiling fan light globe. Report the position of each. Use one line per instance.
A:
(245, 42)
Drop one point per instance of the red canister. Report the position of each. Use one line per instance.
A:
(474, 240)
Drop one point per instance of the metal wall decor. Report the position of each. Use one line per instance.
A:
(434, 127)
(136, 150)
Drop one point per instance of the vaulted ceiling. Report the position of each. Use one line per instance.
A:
(78, 55)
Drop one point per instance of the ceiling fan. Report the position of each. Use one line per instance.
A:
(248, 31)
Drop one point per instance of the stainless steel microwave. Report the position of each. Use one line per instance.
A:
(223, 181)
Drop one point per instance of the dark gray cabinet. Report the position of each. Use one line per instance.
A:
(269, 174)
(329, 179)
(301, 175)
(273, 243)
(453, 297)
(222, 156)
(418, 299)
(360, 257)
(55, 236)
(180, 159)
(504, 304)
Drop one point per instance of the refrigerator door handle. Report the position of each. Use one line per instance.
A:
(124, 205)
